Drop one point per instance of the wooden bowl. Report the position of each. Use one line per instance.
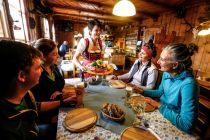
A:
(115, 110)
(113, 118)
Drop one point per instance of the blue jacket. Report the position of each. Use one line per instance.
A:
(179, 99)
(63, 50)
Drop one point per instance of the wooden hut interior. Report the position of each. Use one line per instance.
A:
(166, 21)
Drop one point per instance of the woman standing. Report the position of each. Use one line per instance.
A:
(143, 74)
(91, 47)
(178, 90)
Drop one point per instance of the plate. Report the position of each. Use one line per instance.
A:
(117, 84)
(106, 72)
(149, 108)
(79, 120)
(137, 98)
(69, 88)
(134, 133)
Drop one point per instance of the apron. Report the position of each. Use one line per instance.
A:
(90, 57)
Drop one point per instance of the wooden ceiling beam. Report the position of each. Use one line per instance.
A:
(79, 9)
(95, 15)
(85, 19)
(102, 12)
(161, 5)
(86, 2)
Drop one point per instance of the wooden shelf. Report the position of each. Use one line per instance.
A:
(131, 40)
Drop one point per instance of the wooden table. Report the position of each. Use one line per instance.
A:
(205, 84)
(162, 127)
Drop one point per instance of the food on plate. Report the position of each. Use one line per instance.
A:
(112, 110)
(98, 66)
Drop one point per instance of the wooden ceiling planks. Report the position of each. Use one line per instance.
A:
(102, 10)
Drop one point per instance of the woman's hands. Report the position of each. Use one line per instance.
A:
(66, 101)
(114, 77)
(83, 68)
(152, 102)
(55, 94)
(138, 90)
(68, 94)
(65, 95)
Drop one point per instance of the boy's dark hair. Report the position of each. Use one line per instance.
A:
(14, 56)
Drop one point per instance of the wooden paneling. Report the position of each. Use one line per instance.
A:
(69, 36)
(168, 24)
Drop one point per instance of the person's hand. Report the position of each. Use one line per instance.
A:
(70, 99)
(83, 68)
(130, 85)
(68, 94)
(152, 102)
(55, 94)
(114, 77)
(138, 90)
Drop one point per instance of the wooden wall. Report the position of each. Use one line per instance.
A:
(61, 36)
(168, 28)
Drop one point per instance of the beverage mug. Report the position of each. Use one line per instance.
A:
(128, 94)
(80, 90)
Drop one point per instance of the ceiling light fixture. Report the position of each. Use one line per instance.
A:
(204, 32)
(124, 8)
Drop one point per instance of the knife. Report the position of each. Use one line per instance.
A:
(148, 129)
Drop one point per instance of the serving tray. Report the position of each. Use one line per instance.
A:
(79, 120)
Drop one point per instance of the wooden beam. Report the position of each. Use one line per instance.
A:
(79, 9)
(161, 5)
(71, 12)
(97, 11)
(85, 19)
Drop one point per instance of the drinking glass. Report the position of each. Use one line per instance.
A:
(128, 93)
(138, 108)
(80, 90)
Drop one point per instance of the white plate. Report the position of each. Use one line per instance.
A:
(117, 84)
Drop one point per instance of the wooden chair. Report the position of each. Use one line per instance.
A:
(203, 121)
(159, 78)
(119, 60)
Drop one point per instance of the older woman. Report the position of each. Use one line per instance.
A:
(178, 90)
(91, 47)
(143, 73)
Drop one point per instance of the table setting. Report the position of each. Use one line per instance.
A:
(116, 116)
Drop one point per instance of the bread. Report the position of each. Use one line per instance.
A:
(112, 110)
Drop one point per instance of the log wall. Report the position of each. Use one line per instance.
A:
(168, 28)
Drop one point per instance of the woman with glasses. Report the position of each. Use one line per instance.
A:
(178, 91)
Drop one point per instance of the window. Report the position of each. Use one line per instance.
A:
(3, 22)
(46, 28)
(17, 12)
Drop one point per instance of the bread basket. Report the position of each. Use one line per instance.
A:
(117, 119)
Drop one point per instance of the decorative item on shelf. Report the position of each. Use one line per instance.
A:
(124, 8)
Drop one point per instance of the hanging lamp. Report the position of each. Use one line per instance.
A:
(124, 8)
